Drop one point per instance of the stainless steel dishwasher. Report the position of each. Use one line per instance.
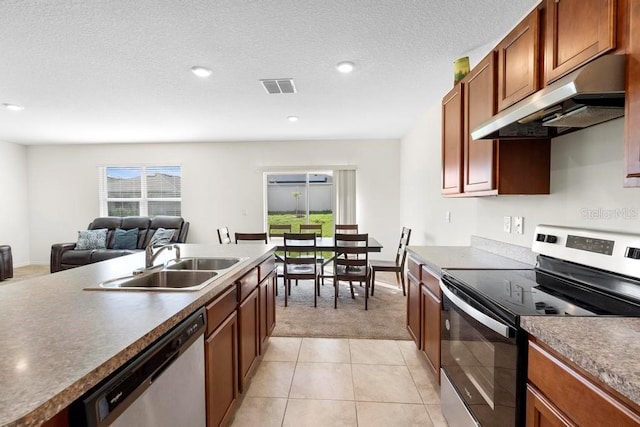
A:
(162, 386)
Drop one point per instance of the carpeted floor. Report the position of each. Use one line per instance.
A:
(26, 272)
(385, 319)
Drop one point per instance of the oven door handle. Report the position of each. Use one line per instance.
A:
(487, 321)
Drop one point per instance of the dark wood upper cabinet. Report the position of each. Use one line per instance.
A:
(632, 104)
(479, 106)
(452, 139)
(577, 31)
(518, 61)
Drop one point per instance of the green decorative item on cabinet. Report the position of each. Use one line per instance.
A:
(460, 68)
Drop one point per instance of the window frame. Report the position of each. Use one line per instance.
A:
(143, 200)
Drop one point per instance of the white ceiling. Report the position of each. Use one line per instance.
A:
(91, 71)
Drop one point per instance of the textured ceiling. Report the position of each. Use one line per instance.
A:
(90, 71)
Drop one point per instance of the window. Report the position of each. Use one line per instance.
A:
(310, 197)
(140, 190)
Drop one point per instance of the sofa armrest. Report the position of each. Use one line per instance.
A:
(184, 230)
(57, 249)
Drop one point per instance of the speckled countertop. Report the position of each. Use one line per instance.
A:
(437, 258)
(606, 347)
(58, 340)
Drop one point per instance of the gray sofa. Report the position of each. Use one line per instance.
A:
(65, 255)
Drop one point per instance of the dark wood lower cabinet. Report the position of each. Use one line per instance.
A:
(267, 309)
(431, 329)
(413, 308)
(249, 332)
(221, 371)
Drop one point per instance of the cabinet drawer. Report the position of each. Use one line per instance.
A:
(576, 396)
(247, 283)
(266, 267)
(221, 308)
(431, 281)
(414, 267)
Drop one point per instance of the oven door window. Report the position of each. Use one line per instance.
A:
(481, 365)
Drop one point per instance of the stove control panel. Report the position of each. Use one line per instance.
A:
(613, 251)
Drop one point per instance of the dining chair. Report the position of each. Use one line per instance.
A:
(351, 263)
(277, 230)
(300, 262)
(396, 266)
(317, 229)
(251, 237)
(223, 236)
(346, 228)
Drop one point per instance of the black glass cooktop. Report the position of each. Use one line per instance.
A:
(515, 293)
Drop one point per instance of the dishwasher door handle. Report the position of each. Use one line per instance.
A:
(479, 316)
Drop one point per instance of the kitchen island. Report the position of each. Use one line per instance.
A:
(59, 340)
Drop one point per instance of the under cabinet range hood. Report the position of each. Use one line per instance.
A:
(589, 95)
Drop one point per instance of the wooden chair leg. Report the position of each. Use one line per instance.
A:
(285, 292)
(404, 292)
(366, 294)
(373, 280)
(335, 293)
(353, 295)
(315, 294)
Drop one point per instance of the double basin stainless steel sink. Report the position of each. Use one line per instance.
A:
(186, 274)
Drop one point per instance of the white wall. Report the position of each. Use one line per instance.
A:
(586, 189)
(14, 202)
(222, 184)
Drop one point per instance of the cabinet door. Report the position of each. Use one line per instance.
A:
(413, 308)
(248, 326)
(431, 329)
(541, 413)
(632, 104)
(479, 106)
(221, 371)
(577, 31)
(452, 130)
(267, 309)
(518, 67)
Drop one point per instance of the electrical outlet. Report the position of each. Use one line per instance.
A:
(447, 216)
(519, 223)
(507, 224)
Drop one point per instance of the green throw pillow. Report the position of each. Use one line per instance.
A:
(126, 239)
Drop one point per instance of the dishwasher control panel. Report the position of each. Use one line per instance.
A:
(105, 402)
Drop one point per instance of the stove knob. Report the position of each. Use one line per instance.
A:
(540, 305)
(551, 239)
(633, 253)
(550, 310)
(540, 237)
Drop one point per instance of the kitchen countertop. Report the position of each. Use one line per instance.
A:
(605, 347)
(59, 340)
(437, 258)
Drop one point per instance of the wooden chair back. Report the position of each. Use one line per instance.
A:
(311, 228)
(251, 237)
(351, 260)
(223, 236)
(346, 228)
(300, 262)
(401, 255)
(279, 229)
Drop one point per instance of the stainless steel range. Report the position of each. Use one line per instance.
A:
(484, 368)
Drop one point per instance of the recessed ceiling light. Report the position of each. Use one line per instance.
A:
(201, 71)
(293, 118)
(13, 107)
(345, 67)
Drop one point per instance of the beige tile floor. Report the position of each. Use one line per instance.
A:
(341, 382)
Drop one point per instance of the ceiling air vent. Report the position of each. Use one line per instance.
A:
(274, 86)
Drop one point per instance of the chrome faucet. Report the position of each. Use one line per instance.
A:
(150, 256)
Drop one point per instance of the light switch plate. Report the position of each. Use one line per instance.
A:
(507, 224)
(447, 216)
(519, 223)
